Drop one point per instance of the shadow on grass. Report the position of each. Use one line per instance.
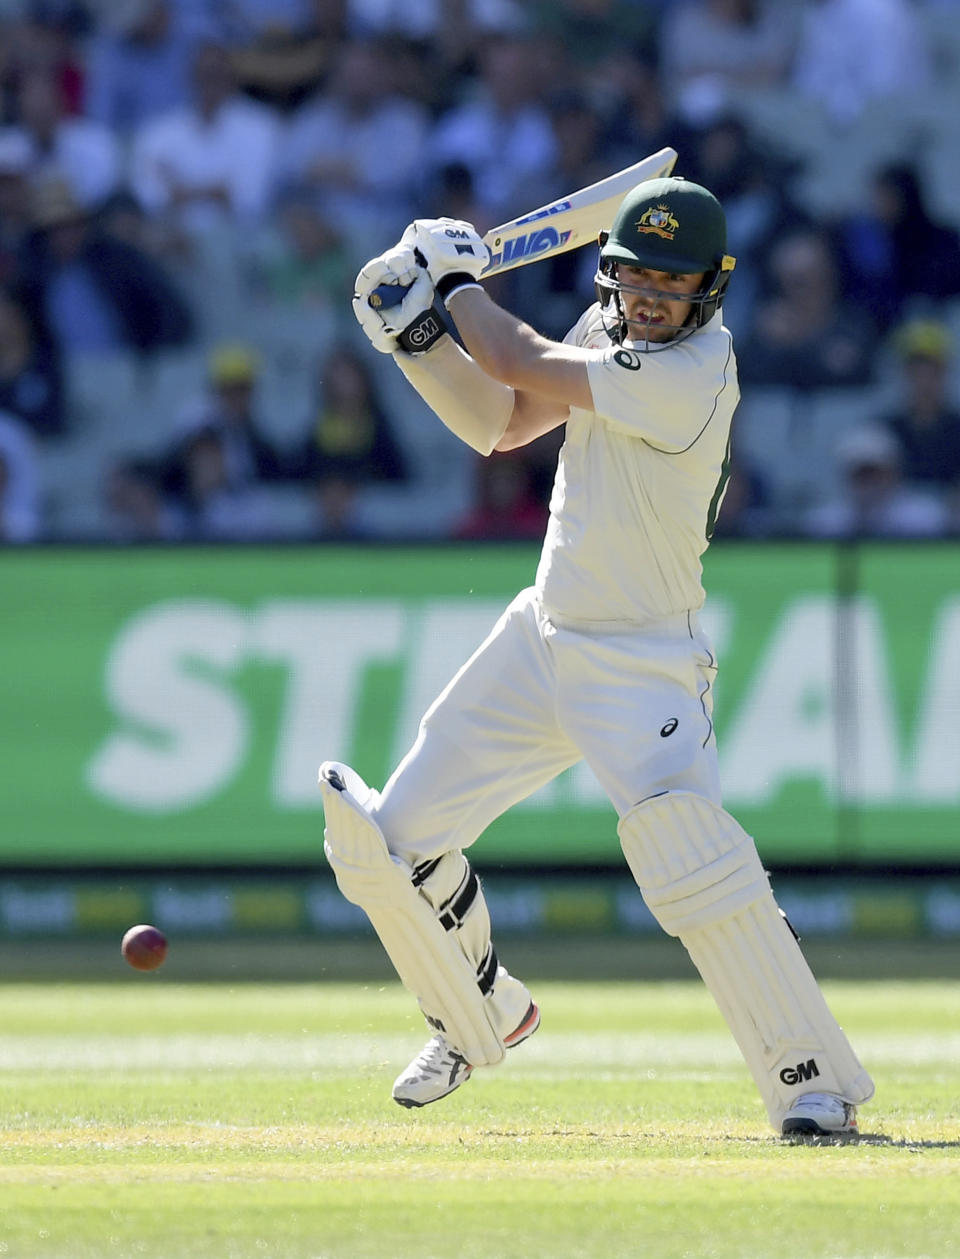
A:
(904, 1143)
(863, 1138)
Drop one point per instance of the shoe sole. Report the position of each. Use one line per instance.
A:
(802, 1128)
(810, 1128)
(530, 1023)
(410, 1103)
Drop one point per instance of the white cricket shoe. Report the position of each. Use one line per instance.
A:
(439, 1068)
(820, 1115)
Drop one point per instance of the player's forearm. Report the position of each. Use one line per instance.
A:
(511, 351)
(470, 402)
(497, 340)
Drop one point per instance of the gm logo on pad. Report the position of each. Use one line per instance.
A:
(802, 1071)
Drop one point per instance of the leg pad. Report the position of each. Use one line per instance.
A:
(428, 958)
(703, 881)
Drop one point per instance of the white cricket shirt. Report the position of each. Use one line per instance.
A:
(639, 480)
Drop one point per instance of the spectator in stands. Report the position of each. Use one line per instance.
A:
(875, 502)
(216, 509)
(583, 27)
(803, 333)
(91, 292)
(227, 410)
(453, 193)
(349, 442)
(47, 37)
(282, 53)
(507, 505)
(122, 218)
(19, 495)
(455, 27)
(301, 261)
(210, 164)
(552, 295)
(853, 53)
(896, 250)
(138, 64)
(927, 421)
(746, 510)
(724, 45)
(31, 387)
(242, 20)
(136, 508)
(636, 116)
(754, 189)
(227, 416)
(78, 152)
(15, 157)
(501, 132)
(360, 149)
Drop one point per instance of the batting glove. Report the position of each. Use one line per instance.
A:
(393, 302)
(452, 252)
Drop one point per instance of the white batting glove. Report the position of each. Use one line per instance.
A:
(452, 252)
(409, 324)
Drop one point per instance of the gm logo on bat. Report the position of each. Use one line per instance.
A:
(542, 241)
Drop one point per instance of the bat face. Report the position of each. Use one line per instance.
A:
(570, 221)
(566, 223)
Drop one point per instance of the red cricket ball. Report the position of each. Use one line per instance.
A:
(144, 947)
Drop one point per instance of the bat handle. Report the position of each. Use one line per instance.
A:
(386, 295)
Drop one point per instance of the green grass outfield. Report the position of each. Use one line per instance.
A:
(170, 1120)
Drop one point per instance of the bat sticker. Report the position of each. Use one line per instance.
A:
(543, 241)
(558, 207)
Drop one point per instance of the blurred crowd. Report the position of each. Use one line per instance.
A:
(188, 187)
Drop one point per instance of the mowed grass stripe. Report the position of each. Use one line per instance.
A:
(536, 1166)
(256, 1121)
(343, 1052)
(149, 1004)
(563, 1217)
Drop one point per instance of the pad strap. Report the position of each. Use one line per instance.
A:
(453, 913)
(487, 974)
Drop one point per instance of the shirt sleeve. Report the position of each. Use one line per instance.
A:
(666, 397)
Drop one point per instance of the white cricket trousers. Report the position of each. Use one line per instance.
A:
(534, 699)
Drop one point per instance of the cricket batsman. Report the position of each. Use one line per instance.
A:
(603, 659)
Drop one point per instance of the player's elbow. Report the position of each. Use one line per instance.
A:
(510, 441)
(532, 417)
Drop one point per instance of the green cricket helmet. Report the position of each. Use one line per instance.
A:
(666, 225)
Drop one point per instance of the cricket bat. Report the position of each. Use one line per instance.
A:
(560, 225)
